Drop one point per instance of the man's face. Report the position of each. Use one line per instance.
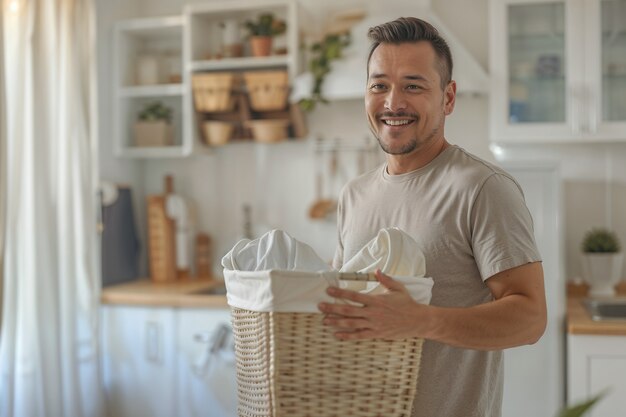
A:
(405, 105)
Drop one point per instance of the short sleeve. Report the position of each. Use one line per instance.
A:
(502, 234)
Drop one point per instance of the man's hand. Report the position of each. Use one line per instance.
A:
(391, 315)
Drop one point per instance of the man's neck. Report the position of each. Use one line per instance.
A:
(401, 164)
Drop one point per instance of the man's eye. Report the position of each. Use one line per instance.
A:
(413, 87)
(377, 87)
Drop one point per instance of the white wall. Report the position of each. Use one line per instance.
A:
(594, 190)
(117, 170)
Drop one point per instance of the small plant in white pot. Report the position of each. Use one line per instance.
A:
(602, 261)
(154, 127)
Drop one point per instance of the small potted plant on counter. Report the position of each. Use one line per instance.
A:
(602, 261)
(262, 32)
(153, 127)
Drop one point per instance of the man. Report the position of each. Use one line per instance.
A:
(468, 216)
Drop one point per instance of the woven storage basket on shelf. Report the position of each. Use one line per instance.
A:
(213, 92)
(291, 365)
(267, 89)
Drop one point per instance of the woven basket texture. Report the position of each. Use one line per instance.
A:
(267, 89)
(213, 92)
(291, 365)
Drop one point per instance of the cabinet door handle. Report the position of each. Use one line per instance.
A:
(215, 341)
(593, 111)
(577, 122)
(202, 337)
(153, 342)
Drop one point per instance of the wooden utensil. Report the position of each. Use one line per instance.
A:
(323, 206)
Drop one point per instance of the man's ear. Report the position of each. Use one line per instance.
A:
(449, 98)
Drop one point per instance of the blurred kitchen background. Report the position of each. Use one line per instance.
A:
(541, 91)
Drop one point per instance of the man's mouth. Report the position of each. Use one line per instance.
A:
(400, 122)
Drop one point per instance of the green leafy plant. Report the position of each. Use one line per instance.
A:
(155, 111)
(579, 410)
(600, 241)
(323, 53)
(266, 25)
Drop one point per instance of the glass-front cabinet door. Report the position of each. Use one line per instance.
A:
(533, 65)
(613, 60)
(607, 82)
(558, 70)
(536, 60)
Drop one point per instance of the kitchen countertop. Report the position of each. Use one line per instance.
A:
(578, 318)
(182, 293)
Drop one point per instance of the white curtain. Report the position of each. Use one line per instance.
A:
(3, 172)
(49, 334)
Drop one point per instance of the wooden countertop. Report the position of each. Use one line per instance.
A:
(578, 318)
(183, 293)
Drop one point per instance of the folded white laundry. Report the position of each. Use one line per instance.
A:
(278, 273)
(276, 249)
(393, 252)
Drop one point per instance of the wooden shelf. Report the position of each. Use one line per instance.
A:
(152, 90)
(242, 63)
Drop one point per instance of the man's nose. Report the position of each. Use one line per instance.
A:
(395, 100)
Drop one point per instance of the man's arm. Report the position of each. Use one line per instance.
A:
(517, 316)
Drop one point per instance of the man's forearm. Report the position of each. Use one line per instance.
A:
(511, 321)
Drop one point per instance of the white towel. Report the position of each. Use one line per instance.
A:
(274, 250)
(278, 273)
(393, 252)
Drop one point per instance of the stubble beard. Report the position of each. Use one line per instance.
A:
(409, 147)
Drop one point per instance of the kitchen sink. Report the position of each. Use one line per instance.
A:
(606, 309)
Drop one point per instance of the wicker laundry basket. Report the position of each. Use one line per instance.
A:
(291, 365)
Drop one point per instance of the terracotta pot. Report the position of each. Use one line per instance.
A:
(261, 45)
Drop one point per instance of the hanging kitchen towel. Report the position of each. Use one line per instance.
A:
(278, 273)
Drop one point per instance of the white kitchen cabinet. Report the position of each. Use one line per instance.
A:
(157, 361)
(139, 361)
(558, 70)
(148, 67)
(206, 364)
(597, 364)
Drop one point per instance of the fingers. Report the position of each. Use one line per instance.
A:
(341, 310)
(349, 295)
(357, 335)
(346, 324)
(388, 282)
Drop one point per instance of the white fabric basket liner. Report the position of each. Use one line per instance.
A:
(289, 291)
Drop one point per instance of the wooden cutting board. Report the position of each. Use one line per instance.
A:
(161, 238)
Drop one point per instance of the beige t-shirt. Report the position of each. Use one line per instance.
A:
(471, 221)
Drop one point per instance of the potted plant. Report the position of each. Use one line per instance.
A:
(602, 261)
(580, 409)
(262, 32)
(323, 53)
(153, 126)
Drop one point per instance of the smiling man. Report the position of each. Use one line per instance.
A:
(468, 216)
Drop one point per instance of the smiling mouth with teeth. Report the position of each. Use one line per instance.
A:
(397, 122)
